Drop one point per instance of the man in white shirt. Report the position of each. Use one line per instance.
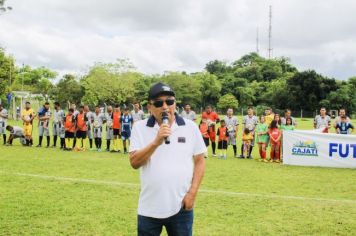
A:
(188, 113)
(137, 114)
(322, 121)
(170, 173)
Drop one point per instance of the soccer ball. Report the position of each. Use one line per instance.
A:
(27, 119)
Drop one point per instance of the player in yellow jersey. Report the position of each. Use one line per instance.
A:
(27, 116)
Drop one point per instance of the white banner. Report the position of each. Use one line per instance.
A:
(308, 148)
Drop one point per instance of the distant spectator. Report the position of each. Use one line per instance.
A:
(277, 118)
(322, 121)
(269, 116)
(289, 124)
(342, 112)
(288, 114)
(188, 113)
(344, 126)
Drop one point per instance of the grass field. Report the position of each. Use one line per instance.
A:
(51, 192)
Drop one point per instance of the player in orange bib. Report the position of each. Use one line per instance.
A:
(204, 128)
(70, 127)
(223, 135)
(81, 129)
(212, 119)
(116, 125)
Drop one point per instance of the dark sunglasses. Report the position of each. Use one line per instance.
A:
(159, 103)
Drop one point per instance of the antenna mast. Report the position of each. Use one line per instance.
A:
(270, 33)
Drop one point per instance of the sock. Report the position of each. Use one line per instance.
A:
(27, 142)
(250, 151)
(74, 142)
(224, 153)
(96, 143)
(71, 142)
(54, 140)
(213, 146)
(48, 141)
(278, 155)
(100, 143)
(242, 150)
(272, 154)
(84, 143)
(91, 143)
(40, 140)
(114, 144)
(264, 154)
(78, 144)
(124, 143)
(108, 144)
(31, 141)
(67, 142)
(13, 139)
(260, 151)
(4, 137)
(235, 149)
(63, 145)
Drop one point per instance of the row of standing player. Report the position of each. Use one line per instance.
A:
(75, 127)
(263, 131)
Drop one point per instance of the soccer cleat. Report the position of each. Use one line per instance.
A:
(264, 160)
(214, 155)
(278, 161)
(38, 145)
(241, 156)
(271, 160)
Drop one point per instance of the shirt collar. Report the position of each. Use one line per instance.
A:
(152, 121)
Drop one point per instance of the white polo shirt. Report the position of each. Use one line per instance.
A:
(167, 176)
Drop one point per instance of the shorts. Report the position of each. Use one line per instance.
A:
(222, 144)
(22, 139)
(42, 131)
(116, 132)
(263, 139)
(27, 129)
(232, 138)
(97, 132)
(125, 135)
(2, 127)
(206, 141)
(81, 134)
(69, 134)
(58, 130)
(109, 133)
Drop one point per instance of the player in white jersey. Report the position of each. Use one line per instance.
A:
(90, 118)
(109, 127)
(98, 120)
(3, 119)
(58, 125)
(232, 128)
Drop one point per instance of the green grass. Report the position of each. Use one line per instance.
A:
(48, 192)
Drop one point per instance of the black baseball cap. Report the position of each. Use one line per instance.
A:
(159, 89)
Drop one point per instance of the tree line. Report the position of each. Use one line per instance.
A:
(249, 81)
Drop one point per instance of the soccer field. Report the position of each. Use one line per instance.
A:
(52, 192)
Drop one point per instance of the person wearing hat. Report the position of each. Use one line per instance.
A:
(169, 151)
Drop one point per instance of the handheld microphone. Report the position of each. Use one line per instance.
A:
(165, 120)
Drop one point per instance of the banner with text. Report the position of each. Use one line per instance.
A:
(308, 148)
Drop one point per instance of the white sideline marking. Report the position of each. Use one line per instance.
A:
(209, 191)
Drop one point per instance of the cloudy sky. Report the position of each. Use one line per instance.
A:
(176, 35)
